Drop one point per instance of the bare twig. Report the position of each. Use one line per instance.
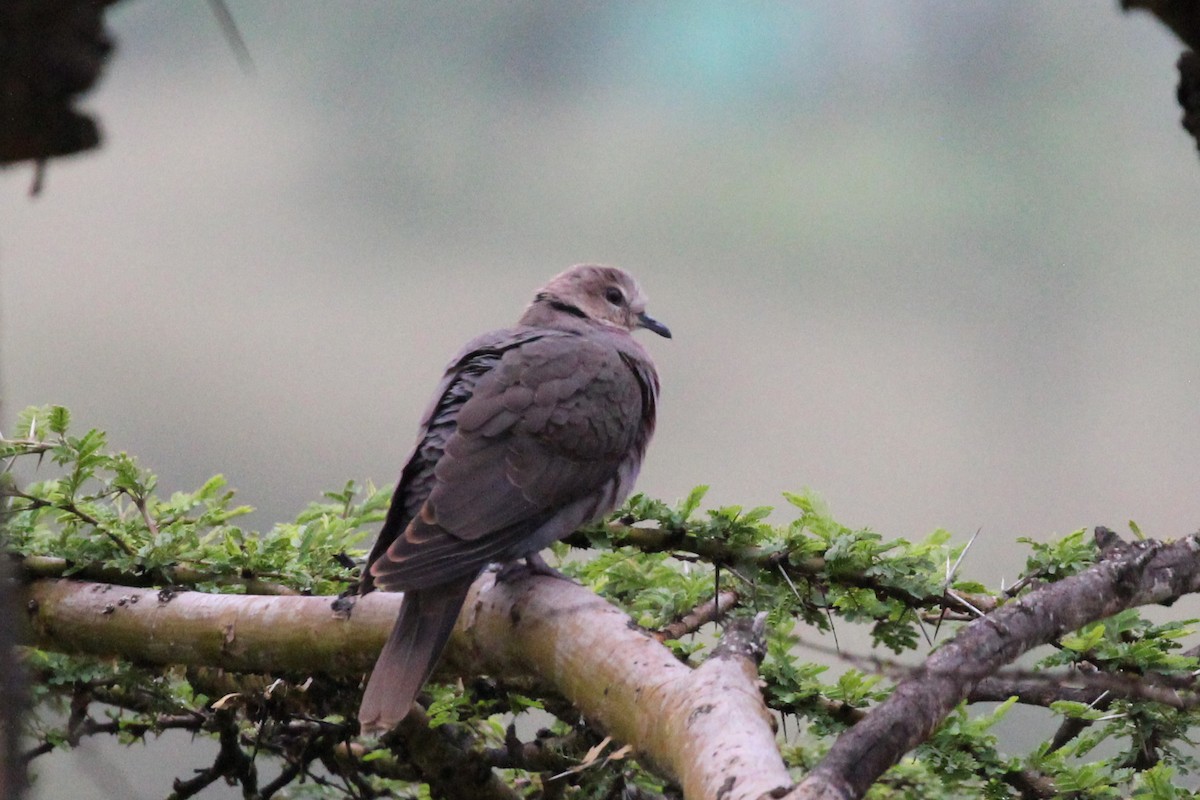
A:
(698, 617)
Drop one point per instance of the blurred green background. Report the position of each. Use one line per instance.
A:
(936, 261)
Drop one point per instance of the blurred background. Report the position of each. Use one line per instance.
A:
(935, 261)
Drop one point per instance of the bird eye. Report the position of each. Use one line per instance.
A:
(614, 295)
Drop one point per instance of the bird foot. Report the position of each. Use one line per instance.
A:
(533, 564)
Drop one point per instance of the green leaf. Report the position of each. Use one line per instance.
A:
(58, 419)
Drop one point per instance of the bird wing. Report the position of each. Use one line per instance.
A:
(476, 359)
(550, 435)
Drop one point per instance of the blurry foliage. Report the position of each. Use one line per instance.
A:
(95, 509)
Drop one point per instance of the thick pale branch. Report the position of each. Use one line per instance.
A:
(706, 728)
(236, 632)
(1140, 574)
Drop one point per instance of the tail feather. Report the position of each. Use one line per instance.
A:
(427, 617)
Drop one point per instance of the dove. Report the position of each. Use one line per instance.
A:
(533, 431)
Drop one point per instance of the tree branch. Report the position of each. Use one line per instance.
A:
(453, 771)
(1182, 17)
(53, 52)
(12, 693)
(1139, 574)
(234, 632)
(715, 551)
(709, 611)
(630, 685)
(674, 717)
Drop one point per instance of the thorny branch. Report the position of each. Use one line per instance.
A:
(1144, 572)
(661, 540)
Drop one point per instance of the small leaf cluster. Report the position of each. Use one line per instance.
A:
(1059, 558)
(963, 752)
(665, 559)
(1128, 641)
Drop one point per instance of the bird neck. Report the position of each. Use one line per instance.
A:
(547, 311)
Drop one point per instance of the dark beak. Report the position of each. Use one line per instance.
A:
(651, 324)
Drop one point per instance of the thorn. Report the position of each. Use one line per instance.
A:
(787, 578)
(921, 625)
(941, 618)
(964, 601)
(233, 36)
(832, 629)
(961, 556)
(39, 178)
(717, 591)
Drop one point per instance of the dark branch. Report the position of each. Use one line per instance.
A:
(1182, 17)
(1143, 573)
(698, 617)
(12, 691)
(814, 568)
(447, 760)
(53, 52)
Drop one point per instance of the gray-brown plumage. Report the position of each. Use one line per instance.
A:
(534, 430)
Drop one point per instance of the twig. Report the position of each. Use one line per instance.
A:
(698, 617)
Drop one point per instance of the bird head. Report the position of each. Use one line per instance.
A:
(605, 294)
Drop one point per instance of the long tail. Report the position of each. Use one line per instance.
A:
(426, 619)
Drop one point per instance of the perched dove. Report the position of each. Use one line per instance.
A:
(534, 430)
